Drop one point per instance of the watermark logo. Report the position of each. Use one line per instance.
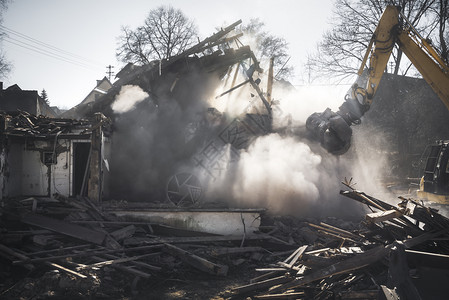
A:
(184, 189)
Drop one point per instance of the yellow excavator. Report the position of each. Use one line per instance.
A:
(333, 129)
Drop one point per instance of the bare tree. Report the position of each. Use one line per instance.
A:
(166, 32)
(5, 65)
(441, 14)
(341, 51)
(269, 46)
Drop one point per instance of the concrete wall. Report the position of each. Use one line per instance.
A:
(61, 172)
(106, 160)
(23, 172)
(33, 175)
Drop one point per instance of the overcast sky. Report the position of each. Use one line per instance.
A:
(88, 30)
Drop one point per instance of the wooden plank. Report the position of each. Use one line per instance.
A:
(289, 296)
(292, 255)
(124, 232)
(65, 228)
(265, 276)
(314, 261)
(342, 231)
(298, 254)
(14, 253)
(361, 295)
(390, 294)
(287, 266)
(359, 261)
(428, 259)
(361, 197)
(338, 236)
(117, 261)
(31, 267)
(88, 253)
(72, 202)
(348, 265)
(271, 270)
(97, 210)
(138, 263)
(335, 232)
(196, 261)
(59, 250)
(265, 284)
(235, 250)
(59, 267)
(126, 269)
(195, 239)
(382, 216)
(318, 251)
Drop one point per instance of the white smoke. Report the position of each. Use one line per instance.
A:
(305, 100)
(293, 175)
(128, 98)
(274, 170)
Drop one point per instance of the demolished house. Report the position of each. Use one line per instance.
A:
(44, 156)
(112, 201)
(164, 125)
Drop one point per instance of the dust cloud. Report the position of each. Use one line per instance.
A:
(128, 98)
(281, 170)
(290, 174)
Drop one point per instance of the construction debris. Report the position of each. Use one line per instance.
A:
(81, 241)
(73, 245)
(21, 123)
(372, 262)
(87, 247)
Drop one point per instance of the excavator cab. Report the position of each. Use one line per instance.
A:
(434, 184)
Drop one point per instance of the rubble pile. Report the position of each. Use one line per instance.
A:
(378, 260)
(60, 246)
(69, 246)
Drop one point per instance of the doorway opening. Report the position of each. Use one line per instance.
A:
(81, 158)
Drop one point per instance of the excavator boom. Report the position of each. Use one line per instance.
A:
(333, 129)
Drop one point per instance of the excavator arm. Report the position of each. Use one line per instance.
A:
(424, 57)
(333, 129)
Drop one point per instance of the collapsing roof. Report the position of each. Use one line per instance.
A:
(212, 57)
(24, 124)
(165, 120)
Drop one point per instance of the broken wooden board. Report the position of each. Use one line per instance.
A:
(196, 261)
(124, 232)
(260, 285)
(357, 262)
(235, 250)
(65, 228)
(382, 216)
(285, 296)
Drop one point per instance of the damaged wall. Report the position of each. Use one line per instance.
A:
(28, 168)
(44, 156)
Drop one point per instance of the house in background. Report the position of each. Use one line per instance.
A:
(102, 88)
(14, 98)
